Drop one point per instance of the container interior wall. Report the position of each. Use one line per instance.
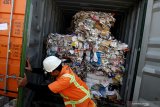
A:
(134, 57)
(49, 16)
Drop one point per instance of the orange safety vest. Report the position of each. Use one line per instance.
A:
(73, 90)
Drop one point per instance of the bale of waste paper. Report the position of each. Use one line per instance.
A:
(96, 56)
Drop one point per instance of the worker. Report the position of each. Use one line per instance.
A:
(74, 91)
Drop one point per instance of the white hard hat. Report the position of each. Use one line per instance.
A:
(51, 63)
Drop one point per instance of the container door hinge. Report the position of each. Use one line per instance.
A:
(13, 76)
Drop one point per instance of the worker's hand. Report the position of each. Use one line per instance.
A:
(28, 65)
(22, 81)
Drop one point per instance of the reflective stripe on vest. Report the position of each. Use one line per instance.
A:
(64, 96)
(73, 80)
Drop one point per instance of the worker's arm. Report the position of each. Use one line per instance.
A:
(57, 86)
(38, 88)
(23, 82)
(54, 87)
(60, 84)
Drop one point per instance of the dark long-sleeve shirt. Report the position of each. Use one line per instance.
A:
(38, 87)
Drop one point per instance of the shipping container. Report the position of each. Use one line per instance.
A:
(136, 24)
(12, 14)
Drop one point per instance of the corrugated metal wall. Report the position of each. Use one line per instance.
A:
(45, 17)
(133, 56)
(147, 88)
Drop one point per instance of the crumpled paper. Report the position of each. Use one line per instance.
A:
(90, 25)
